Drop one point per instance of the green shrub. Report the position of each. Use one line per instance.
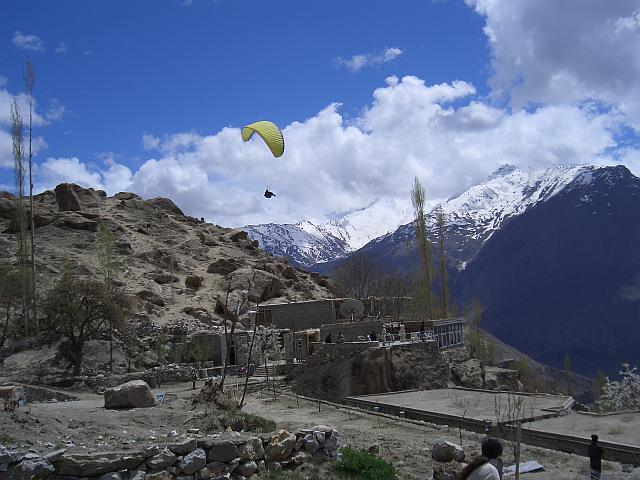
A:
(362, 465)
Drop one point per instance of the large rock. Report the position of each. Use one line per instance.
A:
(182, 448)
(223, 451)
(34, 469)
(280, 446)
(133, 394)
(224, 266)
(193, 462)
(76, 222)
(86, 465)
(265, 285)
(7, 202)
(445, 451)
(193, 281)
(151, 297)
(165, 458)
(71, 197)
(252, 449)
(246, 469)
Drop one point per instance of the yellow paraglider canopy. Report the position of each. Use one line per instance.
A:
(269, 132)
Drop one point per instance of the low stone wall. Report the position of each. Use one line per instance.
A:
(225, 456)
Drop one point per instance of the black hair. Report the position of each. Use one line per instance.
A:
(491, 447)
(594, 438)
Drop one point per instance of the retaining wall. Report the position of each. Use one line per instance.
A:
(216, 457)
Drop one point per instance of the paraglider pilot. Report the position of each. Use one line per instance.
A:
(269, 194)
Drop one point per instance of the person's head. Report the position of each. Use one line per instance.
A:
(594, 438)
(491, 447)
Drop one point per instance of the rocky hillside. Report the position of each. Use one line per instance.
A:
(150, 235)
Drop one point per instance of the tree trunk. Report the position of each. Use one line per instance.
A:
(77, 360)
(518, 434)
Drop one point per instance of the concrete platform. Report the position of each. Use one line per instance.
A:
(616, 428)
(480, 405)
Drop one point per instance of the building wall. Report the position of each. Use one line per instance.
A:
(297, 316)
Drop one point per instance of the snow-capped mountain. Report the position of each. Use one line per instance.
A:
(471, 218)
(307, 243)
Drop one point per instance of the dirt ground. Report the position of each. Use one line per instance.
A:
(84, 424)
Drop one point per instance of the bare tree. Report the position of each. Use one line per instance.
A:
(109, 268)
(17, 138)
(355, 275)
(30, 80)
(425, 292)
(510, 413)
(444, 290)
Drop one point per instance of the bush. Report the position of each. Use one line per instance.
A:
(362, 465)
(217, 420)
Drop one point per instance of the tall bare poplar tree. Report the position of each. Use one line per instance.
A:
(21, 227)
(444, 290)
(418, 197)
(108, 268)
(30, 80)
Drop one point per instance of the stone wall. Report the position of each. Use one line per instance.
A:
(224, 456)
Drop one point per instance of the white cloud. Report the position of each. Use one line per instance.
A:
(441, 133)
(61, 48)
(25, 41)
(358, 62)
(150, 142)
(3, 81)
(559, 51)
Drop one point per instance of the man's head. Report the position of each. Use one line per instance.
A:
(491, 447)
(594, 438)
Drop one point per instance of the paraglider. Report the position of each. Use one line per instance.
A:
(271, 135)
(269, 132)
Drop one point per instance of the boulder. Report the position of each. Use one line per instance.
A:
(34, 469)
(246, 469)
(265, 284)
(10, 456)
(280, 446)
(445, 451)
(224, 266)
(310, 443)
(193, 462)
(185, 447)
(151, 297)
(193, 281)
(86, 465)
(223, 451)
(252, 449)
(238, 235)
(133, 394)
(164, 277)
(217, 469)
(71, 197)
(7, 201)
(166, 205)
(165, 458)
(76, 222)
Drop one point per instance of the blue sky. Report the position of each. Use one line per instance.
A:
(136, 96)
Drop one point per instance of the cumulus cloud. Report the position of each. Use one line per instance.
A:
(358, 62)
(441, 133)
(25, 41)
(558, 51)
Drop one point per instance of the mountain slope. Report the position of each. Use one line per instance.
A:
(150, 235)
(565, 277)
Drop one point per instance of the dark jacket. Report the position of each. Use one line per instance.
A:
(595, 456)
